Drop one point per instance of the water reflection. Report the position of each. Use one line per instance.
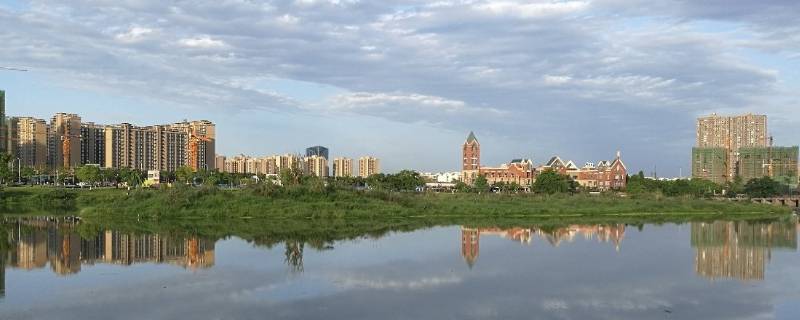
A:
(722, 249)
(471, 237)
(739, 250)
(36, 242)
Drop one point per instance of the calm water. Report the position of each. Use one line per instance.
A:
(720, 270)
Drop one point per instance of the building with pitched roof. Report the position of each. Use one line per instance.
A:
(603, 176)
(519, 171)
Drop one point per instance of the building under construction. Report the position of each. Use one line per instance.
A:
(779, 163)
(710, 164)
(731, 133)
(731, 146)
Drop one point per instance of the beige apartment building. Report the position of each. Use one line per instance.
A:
(201, 135)
(316, 166)
(342, 167)
(368, 166)
(65, 141)
(160, 147)
(730, 133)
(237, 164)
(93, 141)
(272, 164)
(30, 141)
(219, 163)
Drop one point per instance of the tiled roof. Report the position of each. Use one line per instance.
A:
(471, 137)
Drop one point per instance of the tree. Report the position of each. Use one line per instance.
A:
(184, 174)
(132, 177)
(28, 173)
(462, 187)
(551, 182)
(762, 188)
(291, 177)
(5, 169)
(89, 174)
(499, 186)
(481, 184)
(735, 187)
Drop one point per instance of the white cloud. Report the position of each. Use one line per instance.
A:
(457, 64)
(365, 100)
(556, 80)
(135, 34)
(532, 10)
(203, 42)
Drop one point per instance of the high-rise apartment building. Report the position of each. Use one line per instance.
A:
(731, 133)
(237, 164)
(316, 166)
(65, 141)
(779, 163)
(93, 141)
(3, 130)
(170, 149)
(319, 151)
(368, 166)
(160, 147)
(219, 163)
(11, 135)
(342, 167)
(30, 142)
(710, 164)
(288, 162)
(129, 146)
(201, 142)
(249, 165)
(269, 165)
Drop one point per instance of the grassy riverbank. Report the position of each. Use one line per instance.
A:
(185, 202)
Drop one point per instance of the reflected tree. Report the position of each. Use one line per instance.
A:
(294, 255)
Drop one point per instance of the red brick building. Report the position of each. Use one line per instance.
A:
(519, 171)
(606, 175)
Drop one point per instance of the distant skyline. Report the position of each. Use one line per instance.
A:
(407, 80)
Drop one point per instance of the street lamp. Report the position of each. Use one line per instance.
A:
(19, 171)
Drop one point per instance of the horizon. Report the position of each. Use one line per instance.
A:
(406, 83)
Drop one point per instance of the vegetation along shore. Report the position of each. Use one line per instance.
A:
(387, 197)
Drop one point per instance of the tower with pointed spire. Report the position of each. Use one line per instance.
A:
(471, 159)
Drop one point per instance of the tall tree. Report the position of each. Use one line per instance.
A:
(481, 184)
(762, 188)
(551, 182)
(184, 174)
(5, 169)
(89, 174)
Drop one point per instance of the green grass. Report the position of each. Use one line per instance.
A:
(319, 217)
(300, 203)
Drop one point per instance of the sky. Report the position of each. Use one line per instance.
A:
(407, 80)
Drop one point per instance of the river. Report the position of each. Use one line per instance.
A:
(54, 269)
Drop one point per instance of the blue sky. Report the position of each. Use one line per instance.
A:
(406, 80)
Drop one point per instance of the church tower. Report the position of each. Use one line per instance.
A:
(471, 160)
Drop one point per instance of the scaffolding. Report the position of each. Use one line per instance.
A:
(779, 163)
(710, 164)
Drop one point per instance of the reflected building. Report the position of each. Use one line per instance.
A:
(739, 250)
(470, 245)
(471, 237)
(34, 246)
